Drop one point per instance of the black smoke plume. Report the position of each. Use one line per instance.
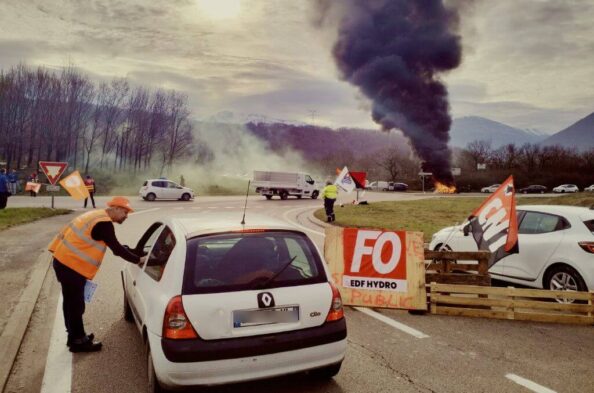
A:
(393, 50)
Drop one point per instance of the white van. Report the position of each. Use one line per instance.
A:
(379, 185)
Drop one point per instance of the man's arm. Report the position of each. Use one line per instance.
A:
(104, 231)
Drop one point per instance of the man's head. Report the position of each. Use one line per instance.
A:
(88, 176)
(328, 182)
(2, 170)
(118, 209)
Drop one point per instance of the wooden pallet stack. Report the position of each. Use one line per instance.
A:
(512, 303)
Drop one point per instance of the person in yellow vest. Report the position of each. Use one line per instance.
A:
(78, 251)
(330, 193)
(90, 185)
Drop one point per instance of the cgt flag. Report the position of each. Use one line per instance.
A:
(494, 224)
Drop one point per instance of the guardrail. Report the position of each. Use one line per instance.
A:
(512, 303)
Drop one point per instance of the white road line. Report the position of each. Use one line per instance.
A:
(391, 322)
(286, 217)
(230, 207)
(144, 211)
(57, 377)
(212, 207)
(529, 384)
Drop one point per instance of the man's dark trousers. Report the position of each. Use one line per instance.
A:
(329, 207)
(3, 199)
(73, 292)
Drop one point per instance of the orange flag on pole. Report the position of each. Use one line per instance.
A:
(75, 186)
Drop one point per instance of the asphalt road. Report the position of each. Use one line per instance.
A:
(455, 354)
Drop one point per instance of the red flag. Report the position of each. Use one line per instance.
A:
(494, 223)
(359, 178)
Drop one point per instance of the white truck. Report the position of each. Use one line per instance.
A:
(283, 184)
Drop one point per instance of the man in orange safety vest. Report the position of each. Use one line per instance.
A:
(78, 251)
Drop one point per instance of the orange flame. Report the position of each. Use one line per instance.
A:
(443, 189)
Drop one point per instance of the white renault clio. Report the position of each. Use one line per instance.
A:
(220, 302)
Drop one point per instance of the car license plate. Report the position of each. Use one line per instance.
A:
(265, 316)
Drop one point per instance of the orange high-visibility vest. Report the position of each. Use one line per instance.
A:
(75, 248)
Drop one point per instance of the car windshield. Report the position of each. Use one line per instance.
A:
(244, 260)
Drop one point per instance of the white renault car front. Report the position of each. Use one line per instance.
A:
(220, 302)
(556, 246)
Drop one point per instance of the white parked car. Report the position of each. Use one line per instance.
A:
(220, 302)
(566, 188)
(491, 188)
(556, 248)
(590, 188)
(164, 189)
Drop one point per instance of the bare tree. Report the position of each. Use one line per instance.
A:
(480, 151)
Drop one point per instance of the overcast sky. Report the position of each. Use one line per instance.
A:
(529, 63)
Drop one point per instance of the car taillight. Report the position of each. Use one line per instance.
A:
(587, 246)
(336, 311)
(176, 324)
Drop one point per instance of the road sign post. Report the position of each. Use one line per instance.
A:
(53, 170)
(423, 174)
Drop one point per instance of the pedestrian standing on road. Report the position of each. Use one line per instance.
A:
(78, 251)
(13, 179)
(4, 193)
(330, 193)
(90, 184)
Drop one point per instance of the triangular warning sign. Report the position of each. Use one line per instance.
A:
(53, 170)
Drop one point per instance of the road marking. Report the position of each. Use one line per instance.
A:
(57, 377)
(212, 207)
(144, 211)
(286, 217)
(529, 384)
(391, 322)
(230, 207)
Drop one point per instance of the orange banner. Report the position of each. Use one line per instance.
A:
(35, 187)
(75, 186)
(374, 268)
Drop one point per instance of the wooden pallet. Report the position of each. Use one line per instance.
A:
(512, 303)
(444, 267)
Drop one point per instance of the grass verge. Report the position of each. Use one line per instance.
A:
(22, 215)
(430, 215)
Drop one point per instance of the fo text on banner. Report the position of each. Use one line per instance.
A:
(377, 268)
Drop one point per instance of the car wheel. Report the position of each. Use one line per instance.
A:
(298, 196)
(314, 195)
(128, 316)
(269, 197)
(564, 278)
(562, 191)
(151, 197)
(152, 385)
(185, 197)
(284, 195)
(326, 372)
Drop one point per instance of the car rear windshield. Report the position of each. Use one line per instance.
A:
(244, 260)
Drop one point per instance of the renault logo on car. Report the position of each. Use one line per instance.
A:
(265, 300)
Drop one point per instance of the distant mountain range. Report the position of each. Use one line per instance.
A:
(579, 135)
(464, 130)
(469, 129)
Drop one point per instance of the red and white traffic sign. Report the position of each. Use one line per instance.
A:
(53, 170)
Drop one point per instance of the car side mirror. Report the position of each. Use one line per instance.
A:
(466, 230)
